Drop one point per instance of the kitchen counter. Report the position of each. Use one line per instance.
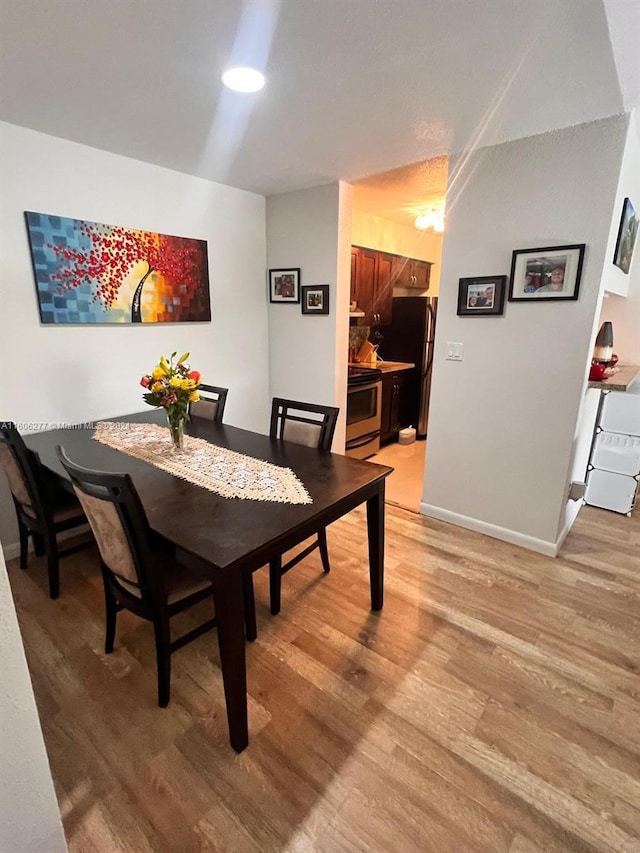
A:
(620, 381)
(385, 366)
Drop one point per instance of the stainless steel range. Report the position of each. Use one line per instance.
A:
(364, 402)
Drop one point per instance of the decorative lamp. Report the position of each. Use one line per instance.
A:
(603, 350)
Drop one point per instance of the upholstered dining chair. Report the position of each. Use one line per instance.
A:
(314, 426)
(139, 569)
(43, 508)
(211, 403)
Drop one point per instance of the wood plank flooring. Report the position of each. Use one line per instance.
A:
(492, 706)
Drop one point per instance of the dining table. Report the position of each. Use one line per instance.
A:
(224, 537)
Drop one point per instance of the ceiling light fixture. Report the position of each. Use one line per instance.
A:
(431, 219)
(243, 79)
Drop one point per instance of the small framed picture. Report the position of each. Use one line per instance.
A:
(315, 299)
(284, 285)
(627, 233)
(542, 275)
(481, 296)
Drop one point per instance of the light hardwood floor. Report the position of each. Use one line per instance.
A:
(493, 705)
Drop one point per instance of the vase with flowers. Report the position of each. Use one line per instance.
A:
(173, 385)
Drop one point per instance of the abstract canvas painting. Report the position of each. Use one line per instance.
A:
(87, 272)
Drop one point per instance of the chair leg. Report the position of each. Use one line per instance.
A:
(163, 657)
(24, 544)
(275, 584)
(250, 627)
(112, 613)
(53, 569)
(324, 552)
(38, 544)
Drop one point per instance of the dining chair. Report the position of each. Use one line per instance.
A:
(211, 404)
(302, 423)
(43, 508)
(140, 570)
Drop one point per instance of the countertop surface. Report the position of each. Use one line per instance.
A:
(620, 381)
(385, 366)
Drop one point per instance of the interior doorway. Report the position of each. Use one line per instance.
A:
(404, 486)
(396, 249)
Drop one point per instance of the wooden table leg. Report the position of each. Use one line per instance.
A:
(375, 529)
(228, 600)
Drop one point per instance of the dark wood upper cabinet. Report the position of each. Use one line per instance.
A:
(421, 274)
(374, 274)
(385, 279)
(363, 283)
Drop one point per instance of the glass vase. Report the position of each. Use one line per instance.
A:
(176, 429)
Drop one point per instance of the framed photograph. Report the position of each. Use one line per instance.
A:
(627, 233)
(544, 275)
(284, 285)
(315, 299)
(481, 296)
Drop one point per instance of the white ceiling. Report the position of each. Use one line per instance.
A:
(354, 87)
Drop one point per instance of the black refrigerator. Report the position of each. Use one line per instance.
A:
(410, 338)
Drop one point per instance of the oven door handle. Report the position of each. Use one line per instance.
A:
(354, 445)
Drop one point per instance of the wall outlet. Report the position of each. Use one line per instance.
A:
(454, 351)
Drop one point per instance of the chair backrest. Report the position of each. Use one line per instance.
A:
(23, 472)
(119, 524)
(303, 423)
(211, 404)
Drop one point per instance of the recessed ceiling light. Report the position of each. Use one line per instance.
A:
(243, 79)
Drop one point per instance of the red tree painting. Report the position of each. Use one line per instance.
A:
(106, 255)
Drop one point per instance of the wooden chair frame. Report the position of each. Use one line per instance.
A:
(220, 397)
(43, 493)
(150, 554)
(283, 410)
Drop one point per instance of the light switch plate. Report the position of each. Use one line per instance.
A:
(454, 351)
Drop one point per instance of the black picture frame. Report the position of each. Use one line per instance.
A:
(626, 240)
(315, 299)
(481, 296)
(548, 274)
(284, 285)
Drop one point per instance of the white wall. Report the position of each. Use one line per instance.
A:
(310, 229)
(373, 232)
(624, 312)
(614, 280)
(503, 421)
(78, 373)
(29, 817)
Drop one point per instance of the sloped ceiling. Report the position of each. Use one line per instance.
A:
(355, 87)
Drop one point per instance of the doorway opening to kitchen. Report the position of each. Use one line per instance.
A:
(396, 249)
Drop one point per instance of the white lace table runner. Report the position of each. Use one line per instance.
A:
(217, 469)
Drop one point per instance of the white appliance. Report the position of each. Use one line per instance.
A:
(614, 468)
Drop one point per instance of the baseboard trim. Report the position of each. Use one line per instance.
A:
(541, 546)
(12, 550)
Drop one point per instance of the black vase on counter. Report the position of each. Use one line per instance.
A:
(603, 350)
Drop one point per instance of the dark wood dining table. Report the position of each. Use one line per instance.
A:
(223, 537)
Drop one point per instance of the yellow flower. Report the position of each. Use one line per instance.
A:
(157, 387)
(194, 396)
(175, 382)
(187, 384)
(158, 372)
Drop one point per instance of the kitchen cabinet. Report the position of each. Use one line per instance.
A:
(385, 277)
(414, 273)
(374, 274)
(396, 404)
(364, 268)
